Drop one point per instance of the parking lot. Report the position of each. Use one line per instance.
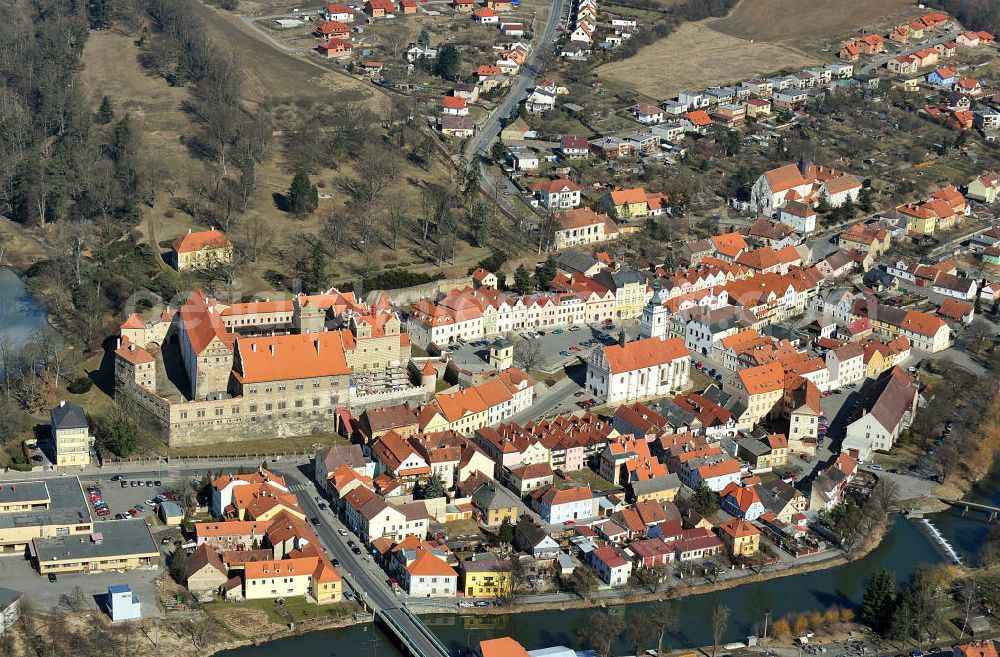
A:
(132, 499)
(17, 573)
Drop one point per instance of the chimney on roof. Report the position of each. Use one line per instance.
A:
(271, 347)
(253, 347)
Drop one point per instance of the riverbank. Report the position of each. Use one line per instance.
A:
(980, 465)
(681, 591)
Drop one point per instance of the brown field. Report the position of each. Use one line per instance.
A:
(807, 24)
(111, 68)
(695, 57)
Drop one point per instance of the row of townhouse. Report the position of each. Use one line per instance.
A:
(923, 331)
(474, 313)
(775, 89)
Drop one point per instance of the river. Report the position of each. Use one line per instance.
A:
(20, 315)
(904, 549)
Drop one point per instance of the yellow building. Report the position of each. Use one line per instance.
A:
(71, 440)
(486, 579)
(627, 203)
(44, 509)
(658, 489)
(292, 577)
(760, 388)
(111, 545)
(985, 188)
(502, 354)
(630, 290)
(742, 539)
(201, 250)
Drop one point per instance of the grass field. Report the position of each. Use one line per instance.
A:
(805, 24)
(696, 56)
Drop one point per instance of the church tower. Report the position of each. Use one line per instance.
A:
(653, 323)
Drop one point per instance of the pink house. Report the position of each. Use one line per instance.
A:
(575, 458)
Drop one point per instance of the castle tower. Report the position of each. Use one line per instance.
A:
(428, 377)
(501, 354)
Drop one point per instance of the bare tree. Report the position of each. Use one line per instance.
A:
(663, 617)
(394, 41)
(978, 331)
(528, 354)
(397, 219)
(256, 235)
(720, 620)
(377, 169)
(946, 460)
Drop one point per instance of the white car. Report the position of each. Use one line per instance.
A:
(342, 532)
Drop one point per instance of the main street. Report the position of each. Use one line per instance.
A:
(489, 130)
(498, 186)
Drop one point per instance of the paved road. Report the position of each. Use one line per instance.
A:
(490, 128)
(368, 581)
(879, 62)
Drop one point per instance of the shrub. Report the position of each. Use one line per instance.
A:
(80, 385)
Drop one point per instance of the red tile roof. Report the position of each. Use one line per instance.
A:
(204, 239)
(644, 353)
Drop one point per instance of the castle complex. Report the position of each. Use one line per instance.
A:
(212, 371)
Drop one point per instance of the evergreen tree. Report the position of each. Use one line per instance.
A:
(522, 280)
(823, 206)
(99, 14)
(498, 151)
(865, 200)
(506, 532)
(448, 62)
(424, 40)
(124, 142)
(106, 111)
(705, 501)
(303, 197)
(546, 273)
(177, 563)
(431, 489)
(879, 601)
(313, 269)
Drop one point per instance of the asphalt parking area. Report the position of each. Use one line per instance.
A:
(18, 574)
(122, 499)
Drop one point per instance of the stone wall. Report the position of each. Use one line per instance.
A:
(405, 296)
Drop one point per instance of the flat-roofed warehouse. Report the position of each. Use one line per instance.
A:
(41, 509)
(113, 544)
